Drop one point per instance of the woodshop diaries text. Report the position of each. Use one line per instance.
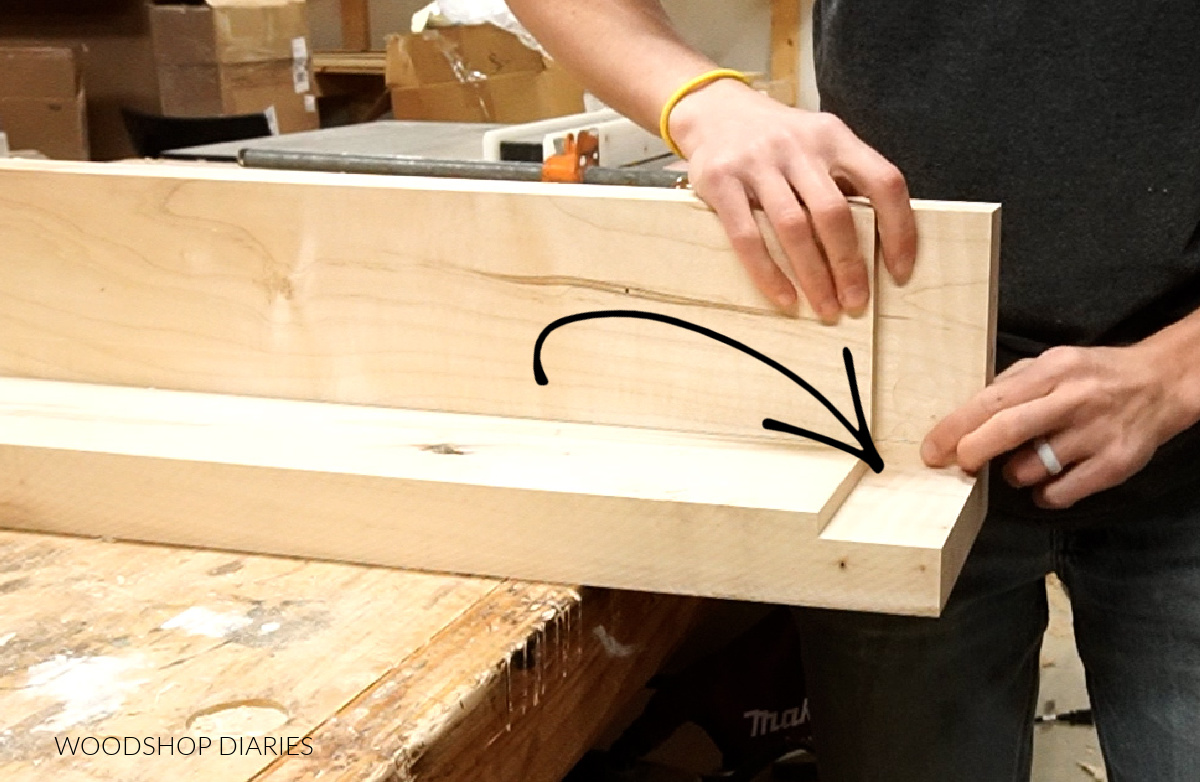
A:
(185, 746)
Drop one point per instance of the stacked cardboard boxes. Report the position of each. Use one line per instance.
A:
(475, 73)
(235, 57)
(111, 42)
(42, 104)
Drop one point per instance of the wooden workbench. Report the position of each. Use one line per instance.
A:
(377, 674)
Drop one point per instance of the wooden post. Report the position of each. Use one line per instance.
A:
(356, 25)
(785, 29)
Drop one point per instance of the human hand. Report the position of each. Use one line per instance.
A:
(745, 149)
(1103, 411)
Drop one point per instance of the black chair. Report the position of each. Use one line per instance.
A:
(153, 134)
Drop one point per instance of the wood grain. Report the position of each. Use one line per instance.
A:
(262, 482)
(895, 544)
(536, 500)
(589, 471)
(97, 643)
(388, 674)
(422, 294)
(528, 721)
(935, 335)
(935, 338)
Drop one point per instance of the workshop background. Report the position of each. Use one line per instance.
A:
(76, 74)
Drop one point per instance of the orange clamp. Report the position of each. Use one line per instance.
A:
(577, 156)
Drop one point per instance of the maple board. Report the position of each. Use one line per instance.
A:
(297, 285)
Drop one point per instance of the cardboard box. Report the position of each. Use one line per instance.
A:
(42, 104)
(242, 88)
(457, 54)
(227, 30)
(516, 97)
(475, 73)
(235, 57)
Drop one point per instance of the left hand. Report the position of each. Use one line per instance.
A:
(1104, 411)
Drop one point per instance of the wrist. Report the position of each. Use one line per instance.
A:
(1174, 356)
(694, 111)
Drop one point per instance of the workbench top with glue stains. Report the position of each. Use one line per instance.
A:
(130, 662)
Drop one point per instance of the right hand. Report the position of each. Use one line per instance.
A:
(745, 149)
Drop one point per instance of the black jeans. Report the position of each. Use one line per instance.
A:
(900, 699)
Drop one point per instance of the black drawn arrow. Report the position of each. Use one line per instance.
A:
(862, 434)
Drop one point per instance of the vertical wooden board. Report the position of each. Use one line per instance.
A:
(679, 549)
(935, 335)
(935, 339)
(411, 293)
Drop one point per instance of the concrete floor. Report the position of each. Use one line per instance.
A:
(1063, 753)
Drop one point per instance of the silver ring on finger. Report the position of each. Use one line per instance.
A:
(1049, 458)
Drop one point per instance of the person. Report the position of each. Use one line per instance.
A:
(1083, 121)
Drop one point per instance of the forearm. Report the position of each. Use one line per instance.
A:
(625, 51)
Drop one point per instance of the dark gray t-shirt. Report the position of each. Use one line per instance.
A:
(1083, 121)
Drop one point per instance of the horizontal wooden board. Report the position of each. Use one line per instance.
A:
(590, 464)
(448, 492)
(537, 500)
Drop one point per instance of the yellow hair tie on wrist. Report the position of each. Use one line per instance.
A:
(703, 80)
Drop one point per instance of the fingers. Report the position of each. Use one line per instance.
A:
(1074, 485)
(834, 226)
(1026, 468)
(1016, 367)
(732, 206)
(1075, 420)
(871, 175)
(1084, 471)
(1110, 465)
(791, 162)
(1087, 468)
(1018, 386)
(794, 230)
(1083, 480)
(1010, 428)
